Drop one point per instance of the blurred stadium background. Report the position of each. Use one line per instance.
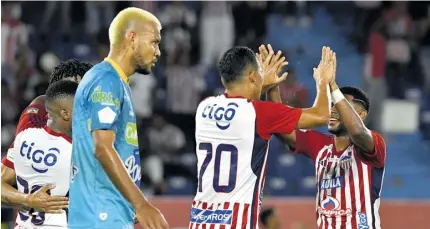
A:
(383, 47)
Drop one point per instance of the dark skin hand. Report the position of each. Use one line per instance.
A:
(40, 201)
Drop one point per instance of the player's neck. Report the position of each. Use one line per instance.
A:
(239, 92)
(57, 127)
(342, 141)
(122, 60)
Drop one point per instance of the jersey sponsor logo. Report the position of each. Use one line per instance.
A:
(106, 115)
(211, 216)
(222, 115)
(41, 160)
(335, 182)
(131, 134)
(133, 167)
(33, 110)
(331, 207)
(362, 221)
(105, 98)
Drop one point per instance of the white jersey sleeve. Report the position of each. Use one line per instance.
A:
(41, 157)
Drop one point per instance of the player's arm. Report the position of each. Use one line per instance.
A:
(113, 166)
(371, 144)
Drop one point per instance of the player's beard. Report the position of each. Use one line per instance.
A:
(143, 70)
(339, 131)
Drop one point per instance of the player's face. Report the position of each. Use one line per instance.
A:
(147, 49)
(335, 125)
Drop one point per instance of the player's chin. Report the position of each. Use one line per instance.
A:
(333, 128)
(145, 70)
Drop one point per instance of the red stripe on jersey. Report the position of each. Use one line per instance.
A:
(197, 225)
(226, 206)
(245, 216)
(343, 199)
(212, 226)
(204, 207)
(7, 163)
(235, 213)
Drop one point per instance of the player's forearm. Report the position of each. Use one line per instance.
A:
(360, 135)
(113, 166)
(321, 107)
(274, 95)
(12, 197)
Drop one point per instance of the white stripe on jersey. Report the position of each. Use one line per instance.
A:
(348, 198)
(367, 198)
(318, 177)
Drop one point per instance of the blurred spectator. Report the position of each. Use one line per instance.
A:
(143, 89)
(184, 86)
(367, 12)
(166, 143)
(424, 50)
(150, 6)
(269, 219)
(177, 21)
(99, 15)
(65, 17)
(395, 23)
(297, 12)
(216, 30)
(14, 35)
(293, 93)
(250, 22)
(375, 83)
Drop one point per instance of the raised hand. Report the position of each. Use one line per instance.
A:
(41, 201)
(326, 69)
(271, 66)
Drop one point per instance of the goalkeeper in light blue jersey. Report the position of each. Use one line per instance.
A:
(104, 193)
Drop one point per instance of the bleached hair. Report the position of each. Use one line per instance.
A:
(126, 18)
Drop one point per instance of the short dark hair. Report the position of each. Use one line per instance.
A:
(61, 89)
(265, 214)
(358, 94)
(69, 68)
(234, 62)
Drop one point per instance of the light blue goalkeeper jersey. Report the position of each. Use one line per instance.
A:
(102, 102)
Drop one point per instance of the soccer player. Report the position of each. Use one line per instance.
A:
(105, 190)
(42, 160)
(35, 116)
(349, 164)
(232, 134)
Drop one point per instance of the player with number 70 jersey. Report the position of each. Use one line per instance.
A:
(232, 134)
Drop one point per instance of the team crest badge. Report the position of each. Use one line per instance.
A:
(345, 162)
(33, 110)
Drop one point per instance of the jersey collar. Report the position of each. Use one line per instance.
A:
(54, 133)
(118, 70)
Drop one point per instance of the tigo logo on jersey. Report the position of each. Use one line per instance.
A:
(331, 207)
(362, 221)
(335, 182)
(105, 98)
(40, 160)
(211, 216)
(131, 134)
(222, 115)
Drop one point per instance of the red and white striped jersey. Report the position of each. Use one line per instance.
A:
(348, 182)
(232, 136)
(40, 156)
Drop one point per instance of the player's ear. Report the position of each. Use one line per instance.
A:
(65, 115)
(252, 77)
(363, 115)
